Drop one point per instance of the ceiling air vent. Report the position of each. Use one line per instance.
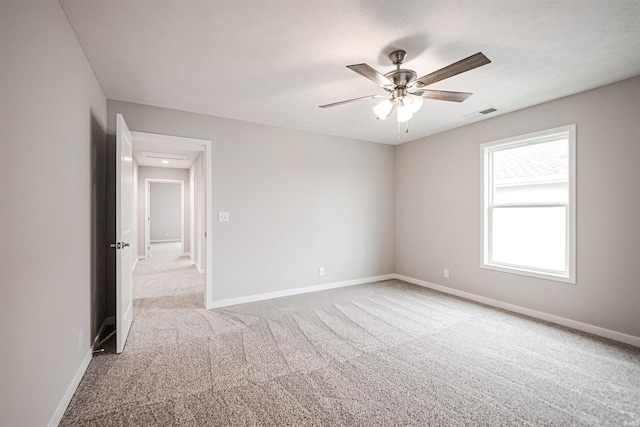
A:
(478, 114)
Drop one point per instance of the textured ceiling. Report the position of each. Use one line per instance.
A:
(274, 62)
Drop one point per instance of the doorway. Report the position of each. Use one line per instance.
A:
(131, 150)
(185, 163)
(165, 226)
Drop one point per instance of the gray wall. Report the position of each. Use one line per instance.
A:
(196, 173)
(297, 201)
(438, 209)
(161, 173)
(136, 245)
(53, 119)
(99, 244)
(165, 211)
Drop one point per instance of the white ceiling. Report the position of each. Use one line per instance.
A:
(274, 62)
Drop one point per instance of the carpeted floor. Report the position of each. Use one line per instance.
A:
(165, 249)
(388, 353)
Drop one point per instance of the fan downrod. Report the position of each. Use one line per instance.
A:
(401, 78)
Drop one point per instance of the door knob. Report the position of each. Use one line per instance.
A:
(125, 244)
(115, 245)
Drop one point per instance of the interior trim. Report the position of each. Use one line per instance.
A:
(297, 291)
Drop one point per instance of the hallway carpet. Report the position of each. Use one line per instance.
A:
(387, 353)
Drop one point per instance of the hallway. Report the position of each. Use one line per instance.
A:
(166, 282)
(165, 249)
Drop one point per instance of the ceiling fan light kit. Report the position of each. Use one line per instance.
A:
(383, 109)
(404, 112)
(405, 92)
(414, 102)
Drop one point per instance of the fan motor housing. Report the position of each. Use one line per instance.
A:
(401, 77)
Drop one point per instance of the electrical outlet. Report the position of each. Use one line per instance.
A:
(321, 271)
(223, 216)
(446, 274)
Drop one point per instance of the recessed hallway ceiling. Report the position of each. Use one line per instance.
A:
(274, 62)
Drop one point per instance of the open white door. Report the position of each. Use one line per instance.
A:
(124, 231)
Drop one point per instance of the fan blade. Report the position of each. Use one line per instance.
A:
(442, 95)
(368, 72)
(474, 61)
(353, 100)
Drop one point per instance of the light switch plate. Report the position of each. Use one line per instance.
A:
(223, 216)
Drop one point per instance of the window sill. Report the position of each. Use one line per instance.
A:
(530, 273)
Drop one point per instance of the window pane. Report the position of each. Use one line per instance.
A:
(530, 237)
(534, 173)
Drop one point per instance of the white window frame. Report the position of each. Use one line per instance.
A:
(487, 205)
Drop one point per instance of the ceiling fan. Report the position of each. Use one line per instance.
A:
(405, 92)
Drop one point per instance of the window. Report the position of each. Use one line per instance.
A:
(528, 209)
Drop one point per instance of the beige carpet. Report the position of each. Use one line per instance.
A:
(165, 249)
(388, 353)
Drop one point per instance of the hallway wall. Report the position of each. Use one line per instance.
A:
(162, 173)
(197, 174)
(165, 212)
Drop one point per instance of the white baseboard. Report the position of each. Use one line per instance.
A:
(296, 291)
(574, 324)
(187, 254)
(200, 269)
(66, 399)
